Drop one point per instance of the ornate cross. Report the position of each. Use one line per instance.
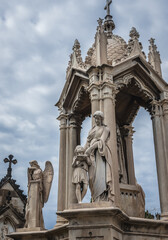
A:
(107, 7)
(10, 160)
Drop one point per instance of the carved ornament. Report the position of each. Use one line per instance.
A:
(76, 58)
(143, 90)
(134, 46)
(80, 98)
(156, 109)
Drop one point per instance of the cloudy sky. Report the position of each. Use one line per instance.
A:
(36, 39)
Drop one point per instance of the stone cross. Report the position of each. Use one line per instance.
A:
(107, 7)
(10, 160)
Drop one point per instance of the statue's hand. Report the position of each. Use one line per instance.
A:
(88, 151)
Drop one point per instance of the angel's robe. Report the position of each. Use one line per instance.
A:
(35, 175)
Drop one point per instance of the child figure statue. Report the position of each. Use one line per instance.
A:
(80, 178)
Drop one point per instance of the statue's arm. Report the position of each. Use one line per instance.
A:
(74, 162)
(105, 135)
(89, 138)
(90, 149)
(87, 144)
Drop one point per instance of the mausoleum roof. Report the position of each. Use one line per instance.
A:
(116, 50)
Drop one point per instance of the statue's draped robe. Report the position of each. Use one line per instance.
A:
(100, 171)
(36, 175)
(80, 171)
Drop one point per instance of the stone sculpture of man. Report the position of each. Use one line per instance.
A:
(39, 184)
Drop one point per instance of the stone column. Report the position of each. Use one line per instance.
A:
(67, 161)
(157, 120)
(94, 91)
(108, 95)
(74, 127)
(128, 134)
(165, 122)
(61, 201)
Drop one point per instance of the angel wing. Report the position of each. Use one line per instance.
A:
(47, 180)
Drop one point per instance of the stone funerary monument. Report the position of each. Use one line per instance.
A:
(113, 82)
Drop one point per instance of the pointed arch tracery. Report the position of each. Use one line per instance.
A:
(132, 94)
(82, 104)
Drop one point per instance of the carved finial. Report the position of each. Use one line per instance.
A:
(100, 22)
(10, 160)
(75, 58)
(88, 59)
(134, 46)
(76, 45)
(134, 34)
(101, 44)
(152, 41)
(107, 7)
(109, 25)
(154, 57)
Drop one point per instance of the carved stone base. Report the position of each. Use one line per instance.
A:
(105, 223)
(164, 217)
(35, 229)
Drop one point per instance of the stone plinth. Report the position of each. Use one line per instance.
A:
(111, 223)
(104, 223)
(132, 200)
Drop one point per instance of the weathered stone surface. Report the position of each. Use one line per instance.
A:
(39, 184)
(12, 202)
(113, 83)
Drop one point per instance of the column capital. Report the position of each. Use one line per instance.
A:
(62, 116)
(63, 120)
(107, 73)
(128, 131)
(93, 73)
(164, 95)
(103, 90)
(164, 104)
(75, 120)
(156, 109)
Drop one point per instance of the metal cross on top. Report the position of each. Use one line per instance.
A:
(107, 7)
(10, 160)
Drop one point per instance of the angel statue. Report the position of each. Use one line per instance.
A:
(39, 185)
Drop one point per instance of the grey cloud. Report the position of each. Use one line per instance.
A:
(36, 39)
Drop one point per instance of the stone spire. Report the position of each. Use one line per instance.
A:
(75, 58)
(101, 44)
(134, 46)
(109, 25)
(154, 57)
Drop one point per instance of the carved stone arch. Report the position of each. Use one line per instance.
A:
(81, 104)
(132, 93)
(129, 80)
(9, 219)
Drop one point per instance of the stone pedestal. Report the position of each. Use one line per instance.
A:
(100, 223)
